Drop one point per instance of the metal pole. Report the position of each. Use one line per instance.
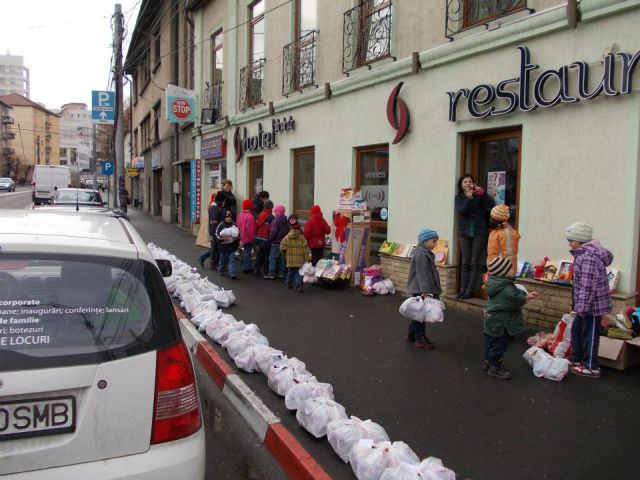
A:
(119, 116)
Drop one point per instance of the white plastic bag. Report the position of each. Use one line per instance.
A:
(225, 298)
(369, 459)
(306, 269)
(316, 413)
(545, 365)
(266, 357)
(384, 287)
(300, 392)
(413, 308)
(344, 434)
(238, 342)
(433, 310)
(282, 378)
(429, 469)
(246, 360)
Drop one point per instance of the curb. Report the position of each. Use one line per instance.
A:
(296, 462)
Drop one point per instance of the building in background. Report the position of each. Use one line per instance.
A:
(77, 133)
(36, 139)
(14, 76)
(8, 164)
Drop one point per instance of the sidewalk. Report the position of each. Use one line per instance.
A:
(440, 402)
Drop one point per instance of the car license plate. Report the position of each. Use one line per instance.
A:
(40, 416)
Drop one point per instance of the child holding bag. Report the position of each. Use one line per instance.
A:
(424, 281)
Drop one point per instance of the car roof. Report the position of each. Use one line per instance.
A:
(85, 232)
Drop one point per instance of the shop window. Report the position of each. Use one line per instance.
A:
(372, 178)
(256, 175)
(303, 180)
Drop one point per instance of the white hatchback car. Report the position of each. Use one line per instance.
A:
(95, 379)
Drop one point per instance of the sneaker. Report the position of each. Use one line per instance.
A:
(585, 372)
(269, 277)
(426, 344)
(499, 372)
(574, 364)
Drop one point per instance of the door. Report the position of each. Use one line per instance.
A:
(303, 180)
(372, 178)
(185, 196)
(256, 175)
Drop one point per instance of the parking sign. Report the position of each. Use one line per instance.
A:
(103, 106)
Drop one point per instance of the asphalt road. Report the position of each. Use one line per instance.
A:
(440, 402)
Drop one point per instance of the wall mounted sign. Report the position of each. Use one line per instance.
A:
(213, 147)
(195, 190)
(398, 114)
(550, 88)
(264, 139)
(181, 104)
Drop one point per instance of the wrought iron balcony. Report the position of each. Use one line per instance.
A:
(251, 78)
(366, 35)
(299, 63)
(8, 151)
(465, 14)
(7, 120)
(8, 135)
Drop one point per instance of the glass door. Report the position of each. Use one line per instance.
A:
(256, 175)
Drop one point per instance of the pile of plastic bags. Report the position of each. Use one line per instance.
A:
(364, 444)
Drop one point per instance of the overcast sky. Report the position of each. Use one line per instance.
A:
(66, 45)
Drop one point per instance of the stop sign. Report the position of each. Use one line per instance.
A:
(181, 108)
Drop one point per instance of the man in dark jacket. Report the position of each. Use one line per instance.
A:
(258, 203)
(216, 215)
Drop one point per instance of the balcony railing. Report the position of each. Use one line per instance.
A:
(212, 109)
(8, 135)
(465, 14)
(8, 151)
(7, 120)
(251, 79)
(366, 35)
(299, 63)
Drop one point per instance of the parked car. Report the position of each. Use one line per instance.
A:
(7, 184)
(77, 196)
(96, 381)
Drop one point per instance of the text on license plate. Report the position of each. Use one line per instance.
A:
(41, 416)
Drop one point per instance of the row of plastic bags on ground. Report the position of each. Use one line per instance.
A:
(363, 444)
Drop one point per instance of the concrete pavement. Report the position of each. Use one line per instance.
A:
(440, 403)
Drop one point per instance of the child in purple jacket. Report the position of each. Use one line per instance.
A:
(591, 297)
(279, 229)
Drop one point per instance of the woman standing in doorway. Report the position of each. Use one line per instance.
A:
(472, 206)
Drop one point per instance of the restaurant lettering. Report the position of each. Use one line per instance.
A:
(549, 89)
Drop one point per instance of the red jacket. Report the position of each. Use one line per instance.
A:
(315, 229)
(247, 226)
(263, 224)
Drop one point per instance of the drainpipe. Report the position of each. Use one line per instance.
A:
(175, 73)
(572, 13)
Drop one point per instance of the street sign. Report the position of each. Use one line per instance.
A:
(181, 104)
(107, 167)
(103, 106)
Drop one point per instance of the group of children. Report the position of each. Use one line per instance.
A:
(279, 244)
(503, 317)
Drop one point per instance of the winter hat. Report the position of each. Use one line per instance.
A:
(315, 210)
(499, 266)
(279, 210)
(500, 213)
(220, 197)
(247, 204)
(580, 232)
(293, 222)
(427, 234)
(268, 204)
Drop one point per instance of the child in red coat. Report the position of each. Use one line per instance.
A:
(314, 231)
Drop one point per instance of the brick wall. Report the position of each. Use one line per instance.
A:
(544, 312)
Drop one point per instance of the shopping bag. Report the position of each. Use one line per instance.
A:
(433, 310)
(345, 433)
(413, 308)
(316, 413)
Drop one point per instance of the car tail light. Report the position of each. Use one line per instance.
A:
(176, 410)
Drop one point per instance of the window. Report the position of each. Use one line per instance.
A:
(156, 48)
(479, 11)
(217, 68)
(372, 178)
(306, 15)
(256, 31)
(63, 152)
(156, 123)
(135, 142)
(145, 133)
(145, 70)
(366, 33)
(256, 174)
(303, 180)
(299, 57)
(252, 76)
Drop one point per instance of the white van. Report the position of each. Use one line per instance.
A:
(46, 178)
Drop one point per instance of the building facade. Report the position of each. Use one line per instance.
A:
(7, 153)
(77, 132)
(161, 53)
(14, 76)
(36, 134)
(538, 99)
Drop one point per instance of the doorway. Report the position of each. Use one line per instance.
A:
(256, 175)
(157, 193)
(185, 196)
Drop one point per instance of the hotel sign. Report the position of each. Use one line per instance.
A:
(264, 139)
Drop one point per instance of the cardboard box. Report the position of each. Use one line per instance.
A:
(356, 216)
(619, 354)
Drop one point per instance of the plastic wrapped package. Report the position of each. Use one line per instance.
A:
(545, 365)
(316, 413)
(384, 287)
(230, 232)
(202, 318)
(307, 269)
(344, 434)
(221, 320)
(225, 298)
(300, 392)
(413, 309)
(433, 310)
(221, 334)
(369, 459)
(560, 345)
(266, 357)
(429, 469)
(209, 305)
(282, 378)
(246, 360)
(309, 279)
(238, 342)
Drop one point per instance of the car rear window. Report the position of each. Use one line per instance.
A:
(69, 310)
(78, 196)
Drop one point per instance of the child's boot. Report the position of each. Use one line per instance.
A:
(498, 371)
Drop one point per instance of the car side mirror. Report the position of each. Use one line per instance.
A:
(165, 267)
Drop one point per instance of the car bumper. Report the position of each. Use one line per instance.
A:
(183, 458)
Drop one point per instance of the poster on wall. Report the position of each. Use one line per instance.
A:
(496, 186)
(195, 191)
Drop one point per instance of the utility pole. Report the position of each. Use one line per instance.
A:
(119, 113)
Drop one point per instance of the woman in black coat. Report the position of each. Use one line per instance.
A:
(472, 206)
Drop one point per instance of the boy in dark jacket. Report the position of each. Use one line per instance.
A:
(263, 228)
(216, 216)
(279, 229)
(502, 315)
(424, 281)
(591, 297)
(228, 237)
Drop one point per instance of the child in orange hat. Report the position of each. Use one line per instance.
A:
(503, 239)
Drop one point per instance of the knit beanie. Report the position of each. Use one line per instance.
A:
(268, 204)
(427, 234)
(247, 204)
(580, 232)
(315, 210)
(279, 210)
(500, 213)
(499, 266)
(293, 222)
